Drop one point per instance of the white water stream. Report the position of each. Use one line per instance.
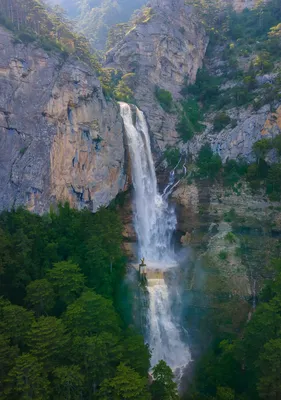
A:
(155, 221)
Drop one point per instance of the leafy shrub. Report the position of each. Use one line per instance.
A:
(241, 96)
(122, 92)
(205, 89)
(230, 216)
(233, 171)
(230, 237)
(223, 255)
(274, 180)
(172, 155)
(262, 62)
(261, 147)
(189, 123)
(26, 37)
(164, 98)
(221, 121)
(208, 163)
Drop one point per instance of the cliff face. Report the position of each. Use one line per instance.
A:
(163, 50)
(60, 140)
(234, 143)
(240, 5)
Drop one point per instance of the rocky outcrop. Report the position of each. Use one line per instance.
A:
(234, 232)
(162, 51)
(60, 140)
(240, 5)
(237, 142)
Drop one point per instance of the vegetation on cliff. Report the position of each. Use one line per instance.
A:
(246, 364)
(32, 21)
(247, 47)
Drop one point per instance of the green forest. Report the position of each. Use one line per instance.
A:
(245, 364)
(63, 328)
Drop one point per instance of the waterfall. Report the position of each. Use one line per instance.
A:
(155, 221)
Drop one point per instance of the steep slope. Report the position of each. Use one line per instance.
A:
(162, 50)
(60, 139)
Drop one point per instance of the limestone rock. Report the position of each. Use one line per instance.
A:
(162, 51)
(240, 5)
(60, 140)
(235, 143)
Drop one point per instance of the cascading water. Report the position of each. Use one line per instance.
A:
(155, 221)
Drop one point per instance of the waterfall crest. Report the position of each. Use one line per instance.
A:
(155, 221)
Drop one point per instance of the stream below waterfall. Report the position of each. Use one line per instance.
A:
(155, 223)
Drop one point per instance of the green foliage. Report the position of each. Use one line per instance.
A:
(33, 22)
(230, 237)
(68, 382)
(172, 156)
(52, 264)
(240, 34)
(262, 147)
(127, 384)
(91, 314)
(208, 163)
(269, 363)
(137, 353)
(15, 323)
(205, 89)
(163, 386)
(8, 355)
(40, 296)
(230, 216)
(189, 122)
(27, 380)
(275, 31)
(233, 171)
(109, 79)
(67, 281)
(262, 175)
(221, 120)
(47, 340)
(164, 98)
(247, 366)
(223, 255)
(262, 63)
(122, 92)
(225, 393)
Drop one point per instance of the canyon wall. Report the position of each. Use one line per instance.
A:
(161, 51)
(60, 139)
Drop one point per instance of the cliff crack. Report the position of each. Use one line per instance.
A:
(10, 128)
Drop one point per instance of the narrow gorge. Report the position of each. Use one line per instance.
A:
(140, 199)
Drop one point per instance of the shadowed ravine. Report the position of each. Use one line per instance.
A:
(155, 222)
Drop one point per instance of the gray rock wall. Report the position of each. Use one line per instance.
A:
(163, 51)
(59, 139)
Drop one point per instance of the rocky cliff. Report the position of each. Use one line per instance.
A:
(240, 5)
(60, 139)
(237, 142)
(162, 51)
